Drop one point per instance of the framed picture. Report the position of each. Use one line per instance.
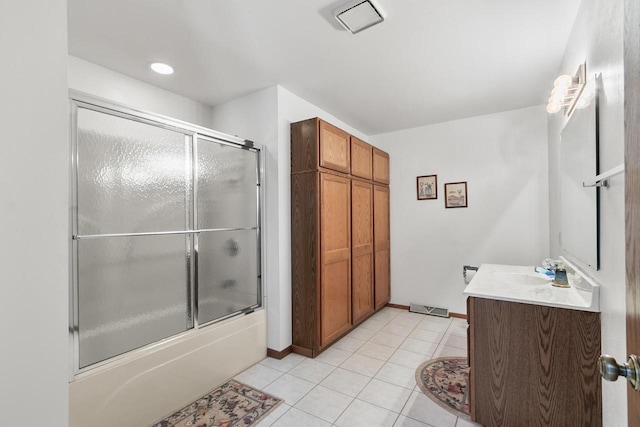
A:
(455, 195)
(427, 187)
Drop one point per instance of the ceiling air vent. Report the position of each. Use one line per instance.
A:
(358, 15)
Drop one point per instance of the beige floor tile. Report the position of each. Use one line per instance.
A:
(464, 423)
(363, 365)
(312, 370)
(387, 339)
(385, 395)
(324, 403)
(362, 333)
(408, 319)
(363, 414)
(398, 375)
(333, 356)
(434, 325)
(454, 341)
(373, 324)
(408, 358)
(258, 376)
(421, 408)
(418, 346)
(297, 418)
(400, 330)
(403, 421)
(424, 335)
(349, 344)
(285, 364)
(347, 382)
(457, 329)
(289, 388)
(445, 351)
(377, 351)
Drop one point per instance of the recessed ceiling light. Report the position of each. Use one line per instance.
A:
(358, 15)
(161, 68)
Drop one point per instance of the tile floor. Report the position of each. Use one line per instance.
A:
(366, 379)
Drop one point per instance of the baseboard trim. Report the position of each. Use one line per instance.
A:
(301, 350)
(400, 306)
(406, 307)
(279, 354)
(458, 315)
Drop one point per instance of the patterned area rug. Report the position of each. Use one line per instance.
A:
(231, 405)
(444, 381)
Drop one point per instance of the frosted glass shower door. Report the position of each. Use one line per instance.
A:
(134, 206)
(166, 234)
(227, 217)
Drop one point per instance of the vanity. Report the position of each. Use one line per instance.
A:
(533, 348)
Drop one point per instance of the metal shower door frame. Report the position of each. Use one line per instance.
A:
(192, 132)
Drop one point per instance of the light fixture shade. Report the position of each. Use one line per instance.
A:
(559, 92)
(358, 15)
(553, 107)
(567, 90)
(161, 68)
(563, 81)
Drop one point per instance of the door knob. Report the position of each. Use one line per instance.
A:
(610, 370)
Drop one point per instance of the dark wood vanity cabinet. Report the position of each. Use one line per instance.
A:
(533, 365)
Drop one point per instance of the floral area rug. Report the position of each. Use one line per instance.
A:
(444, 381)
(231, 405)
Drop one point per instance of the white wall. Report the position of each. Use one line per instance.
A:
(503, 158)
(264, 117)
(34, 212)
(597, 38)
(99, 81)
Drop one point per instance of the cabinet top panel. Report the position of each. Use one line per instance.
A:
(522, 284)
(317, 145)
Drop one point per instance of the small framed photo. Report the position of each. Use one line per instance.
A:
(455, 195)
(427, 187)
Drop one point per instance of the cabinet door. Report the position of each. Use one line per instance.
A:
(381, 245)
(334, 148)
(362, 249)
(380, 166)
(361, 159)
(335, 283)
(554, 350)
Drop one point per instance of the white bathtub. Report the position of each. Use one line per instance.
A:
(145, 385)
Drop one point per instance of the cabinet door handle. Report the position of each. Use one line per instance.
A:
(611, 370)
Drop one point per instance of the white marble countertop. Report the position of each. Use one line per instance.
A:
(522, 284)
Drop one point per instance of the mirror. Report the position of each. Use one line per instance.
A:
(580, 205)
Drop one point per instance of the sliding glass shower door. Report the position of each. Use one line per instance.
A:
(165, 231)
(227, 214)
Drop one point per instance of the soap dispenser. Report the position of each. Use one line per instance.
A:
(560, 280)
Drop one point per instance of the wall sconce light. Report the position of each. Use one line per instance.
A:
(566, 91)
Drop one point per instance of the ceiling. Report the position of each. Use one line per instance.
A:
(430, 60)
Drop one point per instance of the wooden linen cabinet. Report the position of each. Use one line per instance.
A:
(382, 245)
(335, 257)
(333, 233)
(362, 250)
